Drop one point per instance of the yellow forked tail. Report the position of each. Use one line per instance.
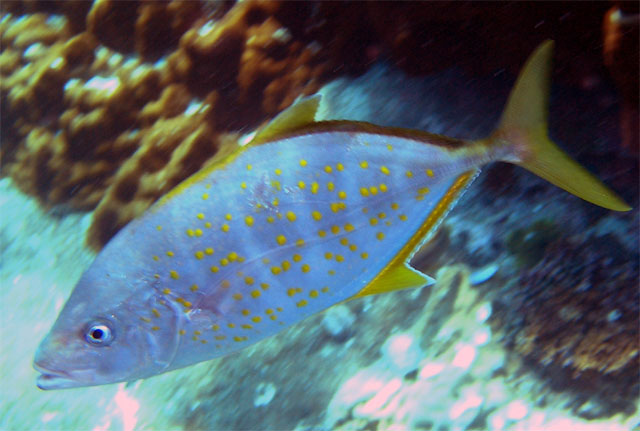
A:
(523, 127)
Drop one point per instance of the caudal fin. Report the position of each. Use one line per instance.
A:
(523, 127)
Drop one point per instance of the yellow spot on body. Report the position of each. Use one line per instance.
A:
(344, 241)
(199, 254)
(380, 236)
(155, 328)
(276, 185)
(208, 251)
(340, 167)
(322, 233)
(155, 312)
(328, 169)
(205, 196)
(330, 186)
(339, 258)
(275, 202)
(402, 217)
(364, 255)
(394, 206)
(348, 227)
(225, 228)
(198, 232)
(328, 255)
(373, 190)
(316, 215)
(325, 289)
(286, 265)
(353, 247)
(190, 232)
(303, 163)
(270, 219)
(237, 296)
(389, 147)
(301, 185)
(381, 215)
(246, 312)
(423, 190)
(200, 216)
(364, 191)
(193, 287)
(291, 216)
(335, 229)
(225, 284)
(409, 174)
(276, 270)
(182, 332)
(215, 327)
(273, 317)
(194, 338)
(214, 269)
(243, 185)
(384, 170)
(299, 242)
(159, 227)
(364, 164)
(373, 221)
(278, 171)
(305, 268)
(224, 261)
(208, 225)
(269, 311)
(429, 172)
(335, 207)
(233, 256)
(249, 167)
(313, 293)
(228, 216)
(264, 286)
(231, 325)
(256, 319)
(281, 240)
(291, 291)
(203, 341)
(302, 303)
(220, 337)
(237, 338)
(255, 293)
(156, 258)
(174, 274)
(265, 260)
(248, 221)
(166, 291)
(249, 280)
(383, 187)
(297, 258)
(342, 194)
(156, 275)
(314, 187)
(197, 333)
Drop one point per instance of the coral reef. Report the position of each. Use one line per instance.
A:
(83, 85)
(576, 314)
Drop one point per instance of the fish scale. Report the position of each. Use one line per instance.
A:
(331, 247)
(308, 215)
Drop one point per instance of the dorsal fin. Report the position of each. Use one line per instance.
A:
(299, 114)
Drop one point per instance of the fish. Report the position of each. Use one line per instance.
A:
(309, 214)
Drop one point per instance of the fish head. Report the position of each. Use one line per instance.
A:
(101, 336)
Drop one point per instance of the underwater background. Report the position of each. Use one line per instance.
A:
(533, 321)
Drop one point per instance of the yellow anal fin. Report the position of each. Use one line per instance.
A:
(297, 115)
(395, 278)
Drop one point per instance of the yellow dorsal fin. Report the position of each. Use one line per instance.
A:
(396, 277)
(299, 114)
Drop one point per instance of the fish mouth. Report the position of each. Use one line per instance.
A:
(49, 379)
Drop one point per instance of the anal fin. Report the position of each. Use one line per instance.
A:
(396, 277)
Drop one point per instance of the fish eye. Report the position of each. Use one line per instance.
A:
(99, 334)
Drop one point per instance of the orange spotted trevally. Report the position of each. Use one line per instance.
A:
(307, 215)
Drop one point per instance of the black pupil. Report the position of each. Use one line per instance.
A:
(97, 334)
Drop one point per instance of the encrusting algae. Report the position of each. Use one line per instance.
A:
(307, 215)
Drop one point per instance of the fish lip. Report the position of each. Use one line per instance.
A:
(53, 379)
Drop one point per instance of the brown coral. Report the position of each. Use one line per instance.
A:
(576, 314)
